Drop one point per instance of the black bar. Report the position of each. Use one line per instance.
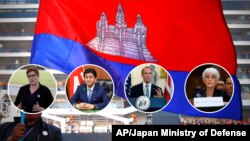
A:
(142, 132)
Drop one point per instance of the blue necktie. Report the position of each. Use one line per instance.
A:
(147, 91)
(89, 94)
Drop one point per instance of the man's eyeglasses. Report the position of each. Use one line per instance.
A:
(32, 75)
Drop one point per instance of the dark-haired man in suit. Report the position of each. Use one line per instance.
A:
(89, 95)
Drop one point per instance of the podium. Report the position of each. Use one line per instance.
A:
(155, 103)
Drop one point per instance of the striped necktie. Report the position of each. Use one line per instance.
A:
(147, 91)
(89, 94)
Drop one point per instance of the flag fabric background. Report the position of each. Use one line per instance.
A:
(168, 89)
(180, 36)
(75, 79)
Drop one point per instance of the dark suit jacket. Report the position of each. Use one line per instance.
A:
(137, 91)
(98, 96)
(54, 133)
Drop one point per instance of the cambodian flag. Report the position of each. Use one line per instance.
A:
(120, 34)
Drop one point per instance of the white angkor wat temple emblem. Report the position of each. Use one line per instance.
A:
(119, 40)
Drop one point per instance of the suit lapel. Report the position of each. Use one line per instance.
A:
(93, 93)
(141, 90)
(152, 90)
(85, 94)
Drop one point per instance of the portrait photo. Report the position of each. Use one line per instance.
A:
(209, 88)
(32, 88)
(89, 88)
(149, 87)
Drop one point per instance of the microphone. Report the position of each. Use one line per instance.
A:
(22, 121)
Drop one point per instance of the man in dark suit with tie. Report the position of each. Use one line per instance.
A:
(90, 95)
(146, 88)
